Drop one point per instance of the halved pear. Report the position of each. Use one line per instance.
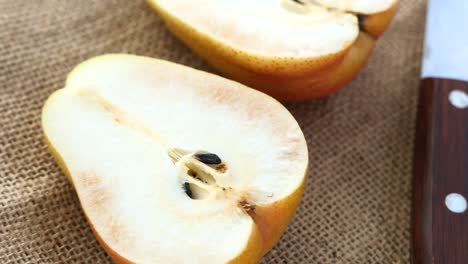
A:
(290, 49)
(175, 165)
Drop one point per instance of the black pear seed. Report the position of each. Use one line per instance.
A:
(299, 2)
(208, 158)
(187, 189)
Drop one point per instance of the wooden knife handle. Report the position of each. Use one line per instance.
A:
(439, 229)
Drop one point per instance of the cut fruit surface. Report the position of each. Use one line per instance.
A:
(174, 165)
(356, 6)
(282, 39)
(270, 28)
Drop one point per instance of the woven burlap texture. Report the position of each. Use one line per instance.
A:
(356, 208)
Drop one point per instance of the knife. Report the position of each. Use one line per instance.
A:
(440, 171)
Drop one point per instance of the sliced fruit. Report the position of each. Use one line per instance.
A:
(174, 165)
(318, 46)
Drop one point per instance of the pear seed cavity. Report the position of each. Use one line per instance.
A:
(204, 167)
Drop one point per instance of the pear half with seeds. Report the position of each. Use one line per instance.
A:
(290, 49)
(175, 165)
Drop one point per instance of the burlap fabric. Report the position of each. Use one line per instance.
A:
(357, 203)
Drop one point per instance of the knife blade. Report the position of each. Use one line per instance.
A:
(440, 171)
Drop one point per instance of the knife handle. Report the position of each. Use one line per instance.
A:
(440, 174)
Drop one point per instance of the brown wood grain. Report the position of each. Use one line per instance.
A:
(440, 168)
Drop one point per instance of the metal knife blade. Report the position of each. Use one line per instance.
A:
(446, 40)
